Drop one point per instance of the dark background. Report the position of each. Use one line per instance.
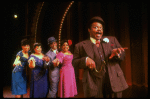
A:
(127, 21)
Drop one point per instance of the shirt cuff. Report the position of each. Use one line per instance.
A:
(86, 60)
(47, 63)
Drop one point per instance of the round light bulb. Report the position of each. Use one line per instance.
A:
(15, 16)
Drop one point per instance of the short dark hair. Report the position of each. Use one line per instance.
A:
(36, 44)
(95, 19)
(63, 41)
(24, 42)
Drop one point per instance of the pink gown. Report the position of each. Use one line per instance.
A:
(67, 82)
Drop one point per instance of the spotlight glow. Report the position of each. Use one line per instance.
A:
(15, 16)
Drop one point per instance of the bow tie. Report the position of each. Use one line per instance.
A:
(97, 43)
(56, 52)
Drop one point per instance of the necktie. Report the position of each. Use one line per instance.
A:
(97, 43)
(56, 52)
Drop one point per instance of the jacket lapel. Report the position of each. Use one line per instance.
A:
(105, 47)
(52, 54)
(88, 48)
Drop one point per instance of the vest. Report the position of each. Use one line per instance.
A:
(98, 58)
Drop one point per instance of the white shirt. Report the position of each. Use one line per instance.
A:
(54, 50)
(93, 40)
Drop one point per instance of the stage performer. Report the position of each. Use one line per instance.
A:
(19, 79)
(99, 56)
(53, 71)
(67, 82)
(39, 75)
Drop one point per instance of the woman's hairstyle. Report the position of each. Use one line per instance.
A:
(36, 44)
(24, 42)
(69, 44)
(68, 41)
(63, 41)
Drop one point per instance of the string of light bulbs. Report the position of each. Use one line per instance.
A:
(38, 20)
(62, 20)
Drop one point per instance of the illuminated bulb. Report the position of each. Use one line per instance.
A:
(15, 16)
(63, 21)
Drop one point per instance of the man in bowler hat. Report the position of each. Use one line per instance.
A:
(99, 56)
(53, 71)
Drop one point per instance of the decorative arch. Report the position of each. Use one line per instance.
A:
(62, 20)
(36, 20)
(39, 12)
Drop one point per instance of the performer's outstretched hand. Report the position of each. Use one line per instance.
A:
(32, 62)
(46, 58)
(117, 52)
(55, 62)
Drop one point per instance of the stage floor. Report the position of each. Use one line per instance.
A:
(7, 93)
(132, 92)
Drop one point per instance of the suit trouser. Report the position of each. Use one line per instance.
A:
(53, 82)
(107, 90)
(104, 88)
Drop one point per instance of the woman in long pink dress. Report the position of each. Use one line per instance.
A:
(67, 82)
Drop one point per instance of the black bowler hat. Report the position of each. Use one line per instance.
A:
(95, 19)
(51, 40)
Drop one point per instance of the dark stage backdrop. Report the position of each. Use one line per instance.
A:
(14, 30)
(128, 22)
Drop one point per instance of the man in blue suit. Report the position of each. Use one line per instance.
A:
(53, 71)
